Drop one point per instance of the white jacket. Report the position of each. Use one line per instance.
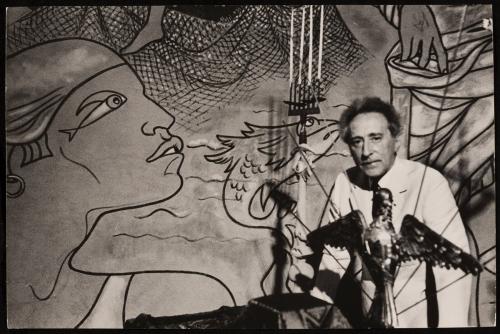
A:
(432, 203)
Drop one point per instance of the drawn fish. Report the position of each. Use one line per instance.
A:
(104, 107)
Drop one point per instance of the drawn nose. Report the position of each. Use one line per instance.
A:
(151, 129)
(163, 133)
(158, 120)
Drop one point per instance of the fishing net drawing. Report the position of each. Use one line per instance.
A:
(201, 63)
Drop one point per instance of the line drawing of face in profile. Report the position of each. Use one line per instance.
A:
(104, 126)
(81, 134)
(129, 149)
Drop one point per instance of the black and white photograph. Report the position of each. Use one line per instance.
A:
(263, 166)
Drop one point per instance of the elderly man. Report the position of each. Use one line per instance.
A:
(370, 127)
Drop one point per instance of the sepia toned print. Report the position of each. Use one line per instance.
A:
(166, 161)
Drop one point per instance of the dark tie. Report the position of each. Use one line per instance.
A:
(374, 187)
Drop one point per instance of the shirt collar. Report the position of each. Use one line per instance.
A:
(396, 177)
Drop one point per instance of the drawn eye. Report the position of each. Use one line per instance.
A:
(108, 104)
(94, 108)
(114, 101)
(310, 121)
(102, 99)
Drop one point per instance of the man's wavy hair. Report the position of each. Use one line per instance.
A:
(367, 105)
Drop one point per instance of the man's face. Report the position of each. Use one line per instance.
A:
(371, 143)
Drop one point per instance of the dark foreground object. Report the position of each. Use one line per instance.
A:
(269, 312)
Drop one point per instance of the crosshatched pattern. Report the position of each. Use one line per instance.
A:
(200, 64)
(112, 26)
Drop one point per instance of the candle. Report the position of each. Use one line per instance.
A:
(309, 72)
(320, 56)
(302, 44)
(291, 48)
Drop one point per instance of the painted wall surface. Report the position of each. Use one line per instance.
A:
(139, 158)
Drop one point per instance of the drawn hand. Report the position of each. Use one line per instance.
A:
(419, 34)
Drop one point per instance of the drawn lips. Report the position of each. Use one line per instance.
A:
(169, 147)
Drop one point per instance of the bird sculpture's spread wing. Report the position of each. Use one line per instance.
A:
(419, 242)
(346, 232)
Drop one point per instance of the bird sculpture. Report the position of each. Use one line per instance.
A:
(383, 250)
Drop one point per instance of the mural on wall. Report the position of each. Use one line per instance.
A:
(450, 122)
(152, 165)
(206, 56)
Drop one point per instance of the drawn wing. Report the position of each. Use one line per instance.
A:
(419, 242)
(256, 148)
(346, 232)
